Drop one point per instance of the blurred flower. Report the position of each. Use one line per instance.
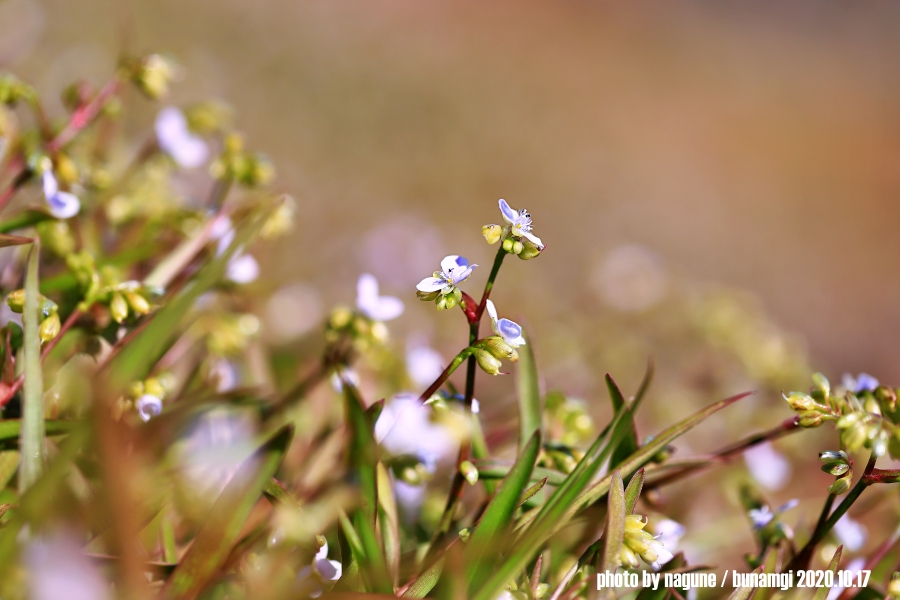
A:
(224, 375)
(454, 270)
(763, 515)
(323, 569)
(292, 311)
(852, 534)
(176, 139)
(768, 466)
(630, 278)
(519, 222)
(58, 569)
(344, 374)
(242, 268)
(219, 441)
(668, 532)
(404, 427)
(62, 205)
(148, 406)
(510, 331)
(863, 383)
(369, 303)
(638, 542)
(424, 364)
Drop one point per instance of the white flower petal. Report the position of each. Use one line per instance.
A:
(366, 289)
(852, 534)
(768, 466)
(509, 215)
(384, 308)
(322, 553)
(63, 205)
(460, 274)
(516, 342)
(243, 268)
(491, 309)
(530, 236)
(454, 261)
(431, 284)
(330, 570)
(50, 184)
(177, 140)
(148, 406)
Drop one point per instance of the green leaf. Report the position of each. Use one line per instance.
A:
(7, 240)
(529, 394)
(10, 430)
(615, 525)
(219, 533)
(425, 582)
(25, 219)
(496, 469)
(822, 592)
(586, 557)
(742, 593)
(389, 520)
(275, 490)
(633, 491)
(31, 439)
(363, 457)
(487, 540)
(527, 494)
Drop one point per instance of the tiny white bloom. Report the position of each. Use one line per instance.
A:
(62, 205)
(520, 223)
(768, 466)
(510, 331)
(176, 139)
(852, 534)
(342, 374)
(763, 516)
(454, 270)
(476, 406)
(423, 363)
(242, 268)
(329, 570)
(57, 568)
(669, 532)
(662, 554)
(148, 406)
(369, 303)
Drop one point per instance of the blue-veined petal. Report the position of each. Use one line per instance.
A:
(431, 284)
(509, 215)
(63, 205)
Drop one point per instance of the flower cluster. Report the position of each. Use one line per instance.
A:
(441, 287)
(48, 313)
(639, 543)
(365, 325)
(515, 235)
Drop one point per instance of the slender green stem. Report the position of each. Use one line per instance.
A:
(434, 387)
(32, 434)
(498, 261)
(801, 560)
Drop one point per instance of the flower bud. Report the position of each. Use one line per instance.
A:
(855, 437)
(487, 362)
(340, 317)
(800, 402)
(153, 74)
(508, 245)
(465, 534)
(894, 586)
(848, 420)
(628, 558)
(469, 471)
(56, 236)
(541, 591)
(492, 233)
(281, 221)
(208, 117)
(154, 387)
(887, 396)
(635, 522)
(447, 302)
(517, 247)
(835, 468)
(118, 307)
(822, 384)
(498, 348)
(16, 301)
(529, 250)
(138, 303)
(50, 328)
(840, 486)
(832, 455)
(810, 419)
(428, 296)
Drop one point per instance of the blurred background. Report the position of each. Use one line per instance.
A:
(717, 183)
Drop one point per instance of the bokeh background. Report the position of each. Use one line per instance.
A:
(717, 183)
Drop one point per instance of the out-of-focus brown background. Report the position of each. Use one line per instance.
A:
(672, 154)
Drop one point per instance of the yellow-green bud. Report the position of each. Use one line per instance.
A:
(517, 247)
(154, 387)
(487, 362)
(16, 301)
(136, 389)
(810, 419)
(118, 307)
(894, 586)
(529, 251)
(66, 170)
(464, 534)
(428, 296)
(801, 402)
(887, 396)
(541, 591)
(13, 89)
(281, 221)
(208, 117)
(832, 455)
(138, 303)
(840, 486)
(447, 302)
(635, 522)
(848, 420)
(492, 233)
(56, 235)
(50, 328)
(153, 74)
(469, 471)
(628, 558)
(836, 468)
(855, 437)
(508, 245)
(498, 348)
(340, 317)
(822, 384)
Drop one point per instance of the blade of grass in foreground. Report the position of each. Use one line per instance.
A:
(220, 531)
(615, 525)
(32, 434)
(529, 395)
(823, 591)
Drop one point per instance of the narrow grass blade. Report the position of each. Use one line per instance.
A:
(633, 491)
(743, 593)
(219, 533)
(529, 394)
(629, 443)
(527, 494)
(7, 240)
(363, 457)
(31, 439)
(10, 430)
(615, 524)
(275, 490)
(389, 520)
(486, 541)
(425, 582)
(24, 219)
(495, 469)
(822, 592)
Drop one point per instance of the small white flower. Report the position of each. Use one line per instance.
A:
(454, 270)
(510, 331)
(662, 554)
(669, 532)
(58, 569)
(519, 223)
(176, 139)
(148, 406)
(852, 534)
(325, 570)
(763, 516)
(863, 383)
(768, 466)
(405, 427)
(242, 268)
(369, 303)
(424, 364)
(62, 205)
(342, 374)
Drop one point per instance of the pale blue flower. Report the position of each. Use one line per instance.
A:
(519, 222)
(454, 270)
(178, 141)
(763, 516)
(371, 304)
(62, 205)
(510, 331)
(863, 383)
(148, 406)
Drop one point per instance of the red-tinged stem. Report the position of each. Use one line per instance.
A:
(442, 378)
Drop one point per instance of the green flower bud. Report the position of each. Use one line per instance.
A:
(487, 362)
(16, 301)
(894, 585)
(635, 522)
(153, 74)
(880, 444)
(800, 402)
(887, 397)
(447, 302)
(628, 558)
(57, 237)
(832, 455)
(138, 303)
(492, 233)
(154, 387)
(821, 383)
(208, 117)
(118, 307)
(469, 471)
(810, 419)
(517, 247)
(13, 89)
(848, 420)
(50, 328)
(855, 437)
(281, 221)
(840, 486)
(529, 250)
(464, 534)
(428, 296)
(340, 317)
(136, 389)
(541, 591)
(498, 348)
(252, 170)
(835, 468)
(871, 406)
(508, 245)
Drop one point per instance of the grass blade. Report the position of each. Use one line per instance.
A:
(615, 525)
(629, 443)
(822, 592)
(32, 433)
(390, 522)
(219, 533)
(529, 394)
(425, 582)
(485, 542)
(633, 491)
